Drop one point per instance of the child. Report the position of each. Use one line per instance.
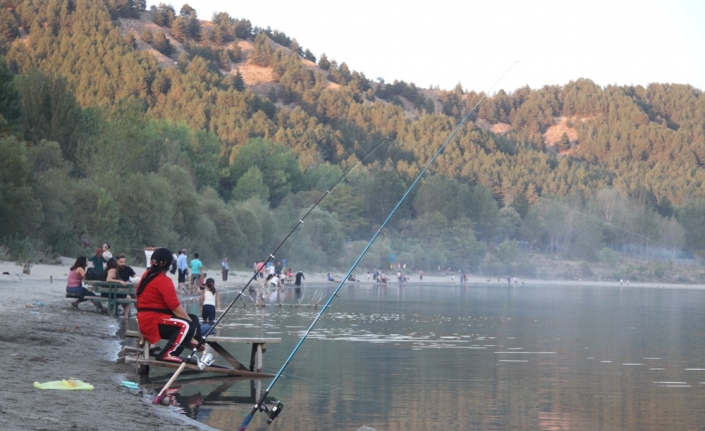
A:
(210, 302)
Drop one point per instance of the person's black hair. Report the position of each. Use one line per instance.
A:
(160, 262)
(210, 285)
(195, 255)
(111, 264)
(81, 262)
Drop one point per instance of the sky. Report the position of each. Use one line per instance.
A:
(446, 42)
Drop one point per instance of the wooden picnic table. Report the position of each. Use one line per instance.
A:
(143, 359)
(112, 292)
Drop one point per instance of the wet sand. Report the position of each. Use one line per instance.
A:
(42, 343)
(53, 342)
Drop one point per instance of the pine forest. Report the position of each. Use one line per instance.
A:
(157, 127)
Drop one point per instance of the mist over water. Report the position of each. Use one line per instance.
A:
(475, 358)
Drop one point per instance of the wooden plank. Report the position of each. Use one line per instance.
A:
(252, 357)
(224, 339)
(226, 355)
(258, 359)
(158, 383)
(229, 371)
(243, 340)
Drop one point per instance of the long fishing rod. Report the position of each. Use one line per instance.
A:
(273, 411)
(158, 398)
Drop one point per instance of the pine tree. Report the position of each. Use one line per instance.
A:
(295, 47)
(162, 44)
(180, 29)
(308, 55)
(147, 36)
(243, 29)
(262, 51)
(323, 62)
(164, 15)
(238, 82)
(9, 96)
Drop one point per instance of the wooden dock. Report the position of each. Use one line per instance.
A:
(142, 358)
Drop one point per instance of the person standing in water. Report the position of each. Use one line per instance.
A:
(210, 302)
(226, 268)
(297, 283)
(196, 266)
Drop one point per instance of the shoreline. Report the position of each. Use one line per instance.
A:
(45, 340)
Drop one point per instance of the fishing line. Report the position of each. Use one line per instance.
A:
(296, 371)
(158, 398)
(273, 411)
(291, 247)
(593, 218)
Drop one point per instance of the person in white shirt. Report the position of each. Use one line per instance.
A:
(106, 252)
(210, 302)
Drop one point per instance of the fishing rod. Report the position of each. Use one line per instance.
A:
(274, 410)
(203, 362)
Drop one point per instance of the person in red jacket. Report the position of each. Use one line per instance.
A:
(159, 313)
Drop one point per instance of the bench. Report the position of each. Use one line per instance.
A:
(112, 290)
(108, 292)
(87, 298)
(143, 357)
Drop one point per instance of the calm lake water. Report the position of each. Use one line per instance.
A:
(474, 358)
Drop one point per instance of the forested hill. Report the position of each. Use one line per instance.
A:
(157, 127)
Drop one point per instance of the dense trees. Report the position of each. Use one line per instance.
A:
(227, 169)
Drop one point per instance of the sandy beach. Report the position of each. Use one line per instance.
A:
(43, 340)
(50, 342)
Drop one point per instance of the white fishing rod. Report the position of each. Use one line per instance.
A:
(203, 363)
(274, 410)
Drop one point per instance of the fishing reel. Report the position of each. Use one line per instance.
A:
(204, 361)
(273, 411)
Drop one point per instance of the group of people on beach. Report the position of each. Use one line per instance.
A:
(115, 271)
(159, 311)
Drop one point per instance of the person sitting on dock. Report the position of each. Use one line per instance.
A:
(159, 312)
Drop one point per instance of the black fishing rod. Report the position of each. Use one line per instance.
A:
(158, 398)
(274, 410)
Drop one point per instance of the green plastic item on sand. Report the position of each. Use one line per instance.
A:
(65, 385)
(130, 385)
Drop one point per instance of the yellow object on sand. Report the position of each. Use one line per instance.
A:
(65, 385)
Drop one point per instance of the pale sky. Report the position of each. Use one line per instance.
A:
(445, 42)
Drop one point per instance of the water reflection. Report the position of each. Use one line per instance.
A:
(478, 358)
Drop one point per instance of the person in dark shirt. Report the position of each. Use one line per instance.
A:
(297, 283)
(124, 271)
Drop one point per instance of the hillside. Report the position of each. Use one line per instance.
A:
(229, 112)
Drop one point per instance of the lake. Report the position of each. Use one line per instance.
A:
(483, 357)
